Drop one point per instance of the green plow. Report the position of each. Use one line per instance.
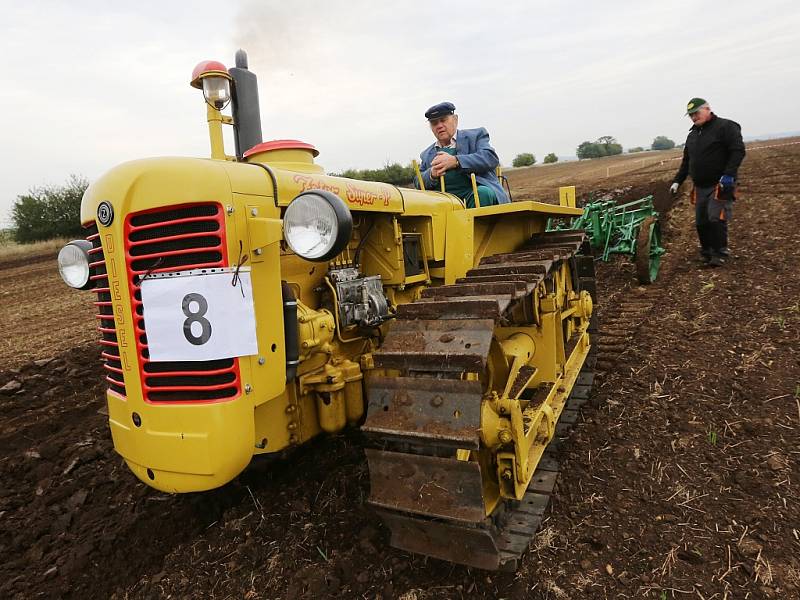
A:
(631, 229)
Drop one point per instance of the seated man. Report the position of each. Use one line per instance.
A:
(457, 153)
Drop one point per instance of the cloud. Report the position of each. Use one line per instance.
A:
(92, 84)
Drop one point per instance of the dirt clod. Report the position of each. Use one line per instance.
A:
(775, 462)
(749, 547)
(11, 387)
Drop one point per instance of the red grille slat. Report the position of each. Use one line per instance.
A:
(192, 388)
(171, 222)
(205, 224)
(172, 238)
(109, 379)
(139, 257)
(116, 386)
(187, 373)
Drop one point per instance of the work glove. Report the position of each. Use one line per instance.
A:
(727, 186)
(673, 189)
(727, 181)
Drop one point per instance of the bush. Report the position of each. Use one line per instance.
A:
(394, 173)
(609, 145)
(49, 211)
(526, 159)
(662, 142)
(635, 149)
(603, 146)
(588, 150)
(550, 158)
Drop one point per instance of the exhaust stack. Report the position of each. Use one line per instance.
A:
(245, 108)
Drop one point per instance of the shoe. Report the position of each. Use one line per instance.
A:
(716, 261)
(724, 252)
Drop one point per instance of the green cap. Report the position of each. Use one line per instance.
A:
(694, 105)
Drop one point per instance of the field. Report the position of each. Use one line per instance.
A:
(681, 480)
(542, 181)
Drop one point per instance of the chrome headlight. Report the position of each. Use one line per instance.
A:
(317, 225)
(73, 264)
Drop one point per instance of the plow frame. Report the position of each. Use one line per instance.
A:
(630, 229)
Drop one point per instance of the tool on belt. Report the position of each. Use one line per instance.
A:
(724, 191)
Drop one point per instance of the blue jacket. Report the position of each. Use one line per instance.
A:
(475, 155)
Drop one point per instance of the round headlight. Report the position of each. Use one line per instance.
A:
(317, 225)
(73, 264)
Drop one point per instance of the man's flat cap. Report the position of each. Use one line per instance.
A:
(440, 110)
(694, 105)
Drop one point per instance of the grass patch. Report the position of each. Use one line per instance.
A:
(11, 249)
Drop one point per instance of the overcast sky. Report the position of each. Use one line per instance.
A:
(91, 84)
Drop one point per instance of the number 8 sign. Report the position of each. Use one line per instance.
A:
(196, 317)
(199, 316)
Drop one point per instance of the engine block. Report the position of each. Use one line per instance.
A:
(360, 299)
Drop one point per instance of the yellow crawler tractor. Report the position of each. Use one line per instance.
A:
(248, 303)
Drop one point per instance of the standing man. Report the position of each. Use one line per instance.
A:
(713, 152)
(456, 154)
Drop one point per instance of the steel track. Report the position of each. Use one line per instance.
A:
(431, 501)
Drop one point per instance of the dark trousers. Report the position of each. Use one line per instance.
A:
(711, 218)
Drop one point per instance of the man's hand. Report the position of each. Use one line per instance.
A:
(673, 189)
(727, 182)
(727, 188)
(442, 162)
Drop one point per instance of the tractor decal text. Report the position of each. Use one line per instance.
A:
(362, 197)
(312, 183)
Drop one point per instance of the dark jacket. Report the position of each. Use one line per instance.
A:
(712, 150)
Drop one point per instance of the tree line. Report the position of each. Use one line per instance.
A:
(606, 145)
(526, 159)
(393, 173)
(50, 211)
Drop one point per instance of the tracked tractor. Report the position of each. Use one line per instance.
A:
(247, 303)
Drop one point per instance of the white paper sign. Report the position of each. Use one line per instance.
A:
(199, 316)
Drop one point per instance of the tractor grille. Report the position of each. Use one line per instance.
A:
(175, 239)
(105, 314)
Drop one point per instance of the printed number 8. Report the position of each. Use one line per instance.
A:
(196, 317)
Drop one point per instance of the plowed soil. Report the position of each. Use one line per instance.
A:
(681, 480)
